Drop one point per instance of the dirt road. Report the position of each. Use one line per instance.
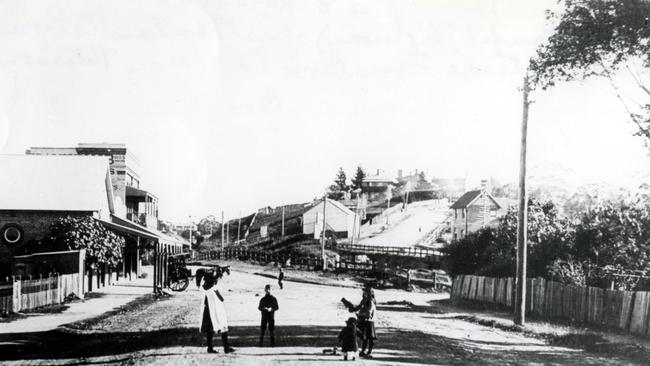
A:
(165, 332)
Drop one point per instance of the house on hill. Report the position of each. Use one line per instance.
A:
(267, 222)
(338, 219)
(474, 210)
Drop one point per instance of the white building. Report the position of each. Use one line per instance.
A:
(338, 219)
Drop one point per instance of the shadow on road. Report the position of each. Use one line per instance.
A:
(393, 346)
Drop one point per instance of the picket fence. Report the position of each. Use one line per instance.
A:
(25, 294)
(626, 310)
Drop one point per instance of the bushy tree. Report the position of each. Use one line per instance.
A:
(357, 181)
(197, 237)
(337, 190)
(599, 38)
(492, 250)
(613, 239)
(103, 247)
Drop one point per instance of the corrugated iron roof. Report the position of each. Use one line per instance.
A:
(55, 183)
(466, 199)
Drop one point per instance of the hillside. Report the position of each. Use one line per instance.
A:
(406, 227)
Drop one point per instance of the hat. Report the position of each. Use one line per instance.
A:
(351, 320)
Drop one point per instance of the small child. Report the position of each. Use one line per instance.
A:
(348, 339)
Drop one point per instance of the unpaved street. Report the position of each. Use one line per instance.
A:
(310, 316)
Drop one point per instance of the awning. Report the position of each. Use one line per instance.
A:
(159, 236)
(127, 230)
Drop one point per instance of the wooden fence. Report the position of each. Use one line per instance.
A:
(395, 251)
(626, 310)
(239, 253)
(25, 294)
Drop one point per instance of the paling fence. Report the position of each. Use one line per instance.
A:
(303, 261)
(20, 294)
(626, 310)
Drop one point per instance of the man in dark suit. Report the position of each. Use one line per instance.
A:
(268, 306)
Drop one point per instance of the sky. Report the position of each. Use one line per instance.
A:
(235, 105)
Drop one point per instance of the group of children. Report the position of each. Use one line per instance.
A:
(361, 327)
(214, 319)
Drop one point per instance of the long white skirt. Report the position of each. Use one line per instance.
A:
(216, 310)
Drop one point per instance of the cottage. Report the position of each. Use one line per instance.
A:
(474, 210)
(338, 218)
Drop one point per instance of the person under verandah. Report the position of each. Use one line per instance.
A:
(213, 312)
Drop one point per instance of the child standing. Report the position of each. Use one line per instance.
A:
(348, 339)
(280, 278)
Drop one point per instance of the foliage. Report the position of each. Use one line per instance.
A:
(102, 245)
(337, 190)
(567, 271)
(613, 238)
(357, 181)
(493, 249)
(208, 225)
(597, 38)
(197, 238)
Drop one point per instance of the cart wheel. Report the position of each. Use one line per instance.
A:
(180, 284)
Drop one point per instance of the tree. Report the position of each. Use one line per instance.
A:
(197, 237)
(208, 224)
(491, 251)
(613, 239)
(103, 247)
(341, 180)
(337, 190)
(599, 38)
(357, 181)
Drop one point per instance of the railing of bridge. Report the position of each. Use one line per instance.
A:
(388, 250)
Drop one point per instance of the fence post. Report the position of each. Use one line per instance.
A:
(16, 295)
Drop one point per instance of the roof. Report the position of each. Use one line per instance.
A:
(334, 203)
(136, 192)
(468, 197)
(378, 179)
(55, 183)
(144, 231)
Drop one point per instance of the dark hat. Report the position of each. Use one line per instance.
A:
(351, 320)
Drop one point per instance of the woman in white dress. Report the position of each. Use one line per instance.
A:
(213, 312)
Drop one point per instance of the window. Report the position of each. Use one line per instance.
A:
(493, 213)
(455, 213)
(462, 233)
(463, 213)
(11, 234)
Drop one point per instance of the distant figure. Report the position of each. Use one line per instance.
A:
(213, 313)
(348, 339)
(280, 278)
(268, 306)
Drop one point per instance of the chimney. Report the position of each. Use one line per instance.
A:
(484, 185)
(416, 172)
(377, 171)
(399, 173)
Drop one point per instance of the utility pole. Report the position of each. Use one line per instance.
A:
(322, 239)
(221, 229)
(190, 217)
(238, 227)
(283, 220)
(227, 232)
(522, 219)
